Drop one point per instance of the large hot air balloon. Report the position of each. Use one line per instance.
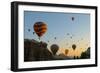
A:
(74, 46)
(40, 28)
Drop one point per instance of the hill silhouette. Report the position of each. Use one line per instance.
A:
(36, 51)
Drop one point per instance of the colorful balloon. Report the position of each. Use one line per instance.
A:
(40, 28)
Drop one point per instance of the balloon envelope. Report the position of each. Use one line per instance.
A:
(54, 48)
(55, 38)
(40, 28)
(74, 46)
(29, 30)
(72, 18)
(66, 51)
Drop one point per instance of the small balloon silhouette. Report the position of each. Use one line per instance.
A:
(67, 33)
(66, 51)
(72, 18)
(74, 46)
(48, 41)
(71, 37)
(81, 38)
(54, 48)
(67, 44)
(33, 33)
(29, 30)
(55, 38)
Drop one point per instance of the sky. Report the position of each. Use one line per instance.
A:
(61, 26)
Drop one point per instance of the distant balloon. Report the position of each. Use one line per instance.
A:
(55, 38)
(67, 33)
(74, 46)
(80, 48)
(81, 38)
(40, 28)
(71, 37)
(67, 44)
(66, 51)
(33, 33)
(72, 18)
(48, 41)
(54, 48)
(29, 30)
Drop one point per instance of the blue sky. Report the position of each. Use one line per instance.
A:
(59, 24)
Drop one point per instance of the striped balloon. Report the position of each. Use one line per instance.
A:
(40, 28)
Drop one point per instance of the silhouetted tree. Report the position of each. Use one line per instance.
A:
(83, 55)
(77, 57)
(86, 54)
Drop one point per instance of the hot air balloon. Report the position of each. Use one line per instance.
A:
(55, 38)
(29, 30)
(67, 44)
(81, 38)
(74, 46)
(33, 33)
(72, 18)
(48, 41)
(54, 48)
(67, 33)
(71, 37)
(40, 28)
(66, 51)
